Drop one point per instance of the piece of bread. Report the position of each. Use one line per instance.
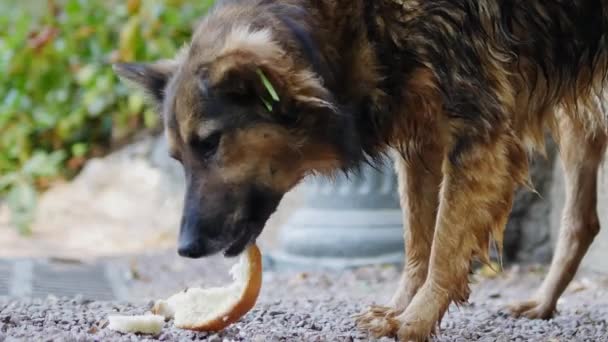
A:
(213, 309)
(145, 324)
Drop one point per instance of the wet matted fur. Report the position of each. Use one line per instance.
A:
(459, 89)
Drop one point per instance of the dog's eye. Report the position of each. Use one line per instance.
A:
(206, 147)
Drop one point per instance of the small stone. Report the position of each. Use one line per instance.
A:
(214, 338)
(15, 320)
(103, 323)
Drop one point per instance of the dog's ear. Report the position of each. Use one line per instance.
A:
(152, 78)
(249, 83)
(277, 85)
(254, 66)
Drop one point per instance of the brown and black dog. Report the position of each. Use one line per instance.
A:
(270, 91)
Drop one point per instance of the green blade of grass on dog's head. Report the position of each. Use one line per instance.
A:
(267, 104)
(269, 87)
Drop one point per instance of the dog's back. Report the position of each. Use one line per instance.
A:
(562, 59)
(521, 58)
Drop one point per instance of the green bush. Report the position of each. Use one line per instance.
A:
(60, 102)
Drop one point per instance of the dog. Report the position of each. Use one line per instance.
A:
(270, 91)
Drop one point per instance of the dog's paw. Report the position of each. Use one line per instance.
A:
(413, 330)
(379, 321)
(532, 309)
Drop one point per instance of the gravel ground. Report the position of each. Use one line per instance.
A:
(313, 306)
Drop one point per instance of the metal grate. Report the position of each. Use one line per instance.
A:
(6, 270)
(70, 280)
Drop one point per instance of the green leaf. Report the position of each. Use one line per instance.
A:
(267, 104)
(79, 150)
(269, 87)
(136, 103)
(21, 202)
(8, 180)
(151, 118)
(86, 74)
(43, 164)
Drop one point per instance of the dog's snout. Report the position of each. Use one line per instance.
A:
(199, 236)
(191, 249)
(191, 243)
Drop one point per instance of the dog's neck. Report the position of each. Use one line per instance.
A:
(359, 40)
(354, 53)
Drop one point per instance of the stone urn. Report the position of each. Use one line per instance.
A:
(345, 222)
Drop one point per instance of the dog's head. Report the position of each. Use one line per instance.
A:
(248, 120)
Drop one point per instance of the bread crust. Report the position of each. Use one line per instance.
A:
(246, 301)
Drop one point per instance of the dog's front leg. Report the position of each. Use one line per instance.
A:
(419, 183)
(475, 201)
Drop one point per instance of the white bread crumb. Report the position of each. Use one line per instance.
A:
(144, 324)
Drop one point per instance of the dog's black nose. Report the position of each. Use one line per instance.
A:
(194, 240)
(191, 250)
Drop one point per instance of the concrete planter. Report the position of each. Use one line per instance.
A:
(346, 222)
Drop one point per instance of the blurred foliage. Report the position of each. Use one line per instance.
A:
(60, 102)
